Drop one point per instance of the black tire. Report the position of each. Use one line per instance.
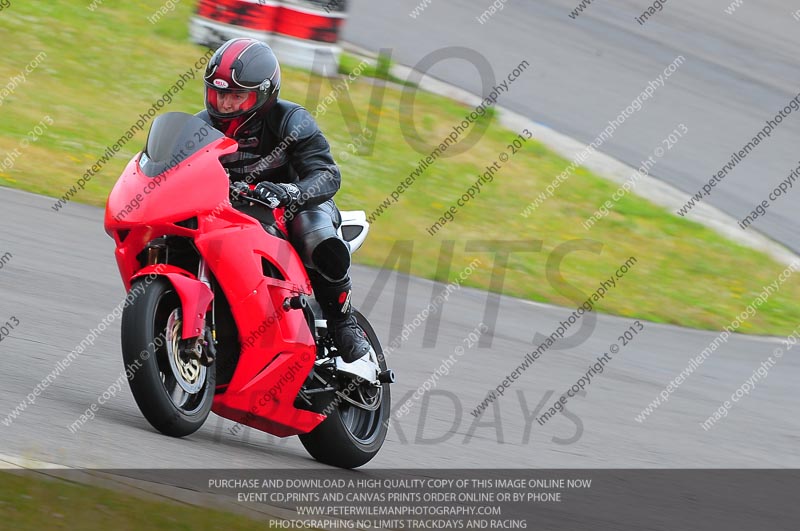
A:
(350, 437)
(152, 379)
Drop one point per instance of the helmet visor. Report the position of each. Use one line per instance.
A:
(230, 103)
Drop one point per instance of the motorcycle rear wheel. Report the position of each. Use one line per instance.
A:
(351, 436)
(173, 393)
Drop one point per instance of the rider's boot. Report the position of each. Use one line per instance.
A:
(334, 298)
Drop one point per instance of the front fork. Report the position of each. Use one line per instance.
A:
(204, 276)
(204, 347)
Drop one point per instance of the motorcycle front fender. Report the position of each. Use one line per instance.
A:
(195, 296)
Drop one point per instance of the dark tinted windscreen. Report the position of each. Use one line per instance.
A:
(173, 137)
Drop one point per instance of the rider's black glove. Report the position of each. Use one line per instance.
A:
(277, 194)
(239, 191)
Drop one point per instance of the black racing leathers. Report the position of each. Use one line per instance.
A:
(286, 146)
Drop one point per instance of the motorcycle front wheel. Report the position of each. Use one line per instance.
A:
(174, 392)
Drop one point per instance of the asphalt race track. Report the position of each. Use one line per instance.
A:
(62, 281)
(740, 70)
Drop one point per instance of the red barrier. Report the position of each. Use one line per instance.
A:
(259, 16)
(299, 20)
(302, 32)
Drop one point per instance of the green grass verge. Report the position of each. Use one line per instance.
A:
(380, 69)
(33, 503)
(94, 90)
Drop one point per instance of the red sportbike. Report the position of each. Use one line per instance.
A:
(222, 317)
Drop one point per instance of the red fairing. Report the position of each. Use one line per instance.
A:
(278, 349)
(137, 198)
